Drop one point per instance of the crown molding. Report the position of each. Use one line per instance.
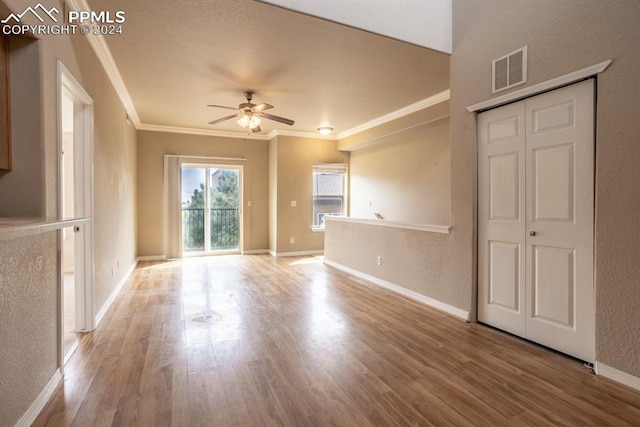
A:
(227, 134)
(103, 53)
(204, 132)
(417, 106)
(298, 134)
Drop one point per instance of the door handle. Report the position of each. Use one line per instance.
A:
(532, 233)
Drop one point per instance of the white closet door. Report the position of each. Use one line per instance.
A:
(501, 213)
(535, 235)
(560, 202)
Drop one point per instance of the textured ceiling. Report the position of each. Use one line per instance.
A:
(177, 56)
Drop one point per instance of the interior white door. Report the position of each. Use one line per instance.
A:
(501, 189)
(560, 202)
(536, 273)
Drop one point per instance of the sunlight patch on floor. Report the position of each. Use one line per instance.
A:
(318, 259)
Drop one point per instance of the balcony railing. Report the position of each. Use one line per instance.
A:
(223, 229)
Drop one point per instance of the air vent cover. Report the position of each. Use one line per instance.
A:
(509, 70)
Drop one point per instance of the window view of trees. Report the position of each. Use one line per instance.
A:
(222, 213)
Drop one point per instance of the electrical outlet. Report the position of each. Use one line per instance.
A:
(292, 240)
(378, 261)
(39, 263)
(249, 203)
(370, 203)
(294, 203)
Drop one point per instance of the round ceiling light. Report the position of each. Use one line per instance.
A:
(325, 130)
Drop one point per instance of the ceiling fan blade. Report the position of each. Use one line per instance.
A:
(277, 119)
(222, 106)
(223, 119)
(256, 129)
(261, 107)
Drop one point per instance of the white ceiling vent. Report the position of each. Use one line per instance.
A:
(509, 70)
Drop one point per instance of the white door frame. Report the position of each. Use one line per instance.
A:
(68, 86)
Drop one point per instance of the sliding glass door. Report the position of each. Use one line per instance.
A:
(211, 200)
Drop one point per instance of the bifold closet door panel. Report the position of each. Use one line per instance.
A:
(501, 215)
(559, 230)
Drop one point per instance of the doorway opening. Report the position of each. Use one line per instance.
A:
(211, 198)
(75, 200)
(69, 331)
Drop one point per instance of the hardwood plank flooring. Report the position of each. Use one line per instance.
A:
(258, 341)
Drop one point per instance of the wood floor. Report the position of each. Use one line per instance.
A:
(258, 341)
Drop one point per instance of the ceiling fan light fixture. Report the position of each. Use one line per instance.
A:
(249, 120)
(254, 122)
(243, 121)
(325, 130)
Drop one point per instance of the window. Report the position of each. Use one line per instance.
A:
(329, 191)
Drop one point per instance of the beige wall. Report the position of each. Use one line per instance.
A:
(28, 309)
(294, 158)
(152, 146)
(32, 188)
(405, 176)
(410, 259)
(562, 37)
(409, 160)
(22, 190)
(378, 134)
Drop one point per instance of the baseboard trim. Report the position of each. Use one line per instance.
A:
(72, 350)
(255, 252)
(162, 257)
(114, 294)
(36, 407)
(617, 375)
(449, 309)
(291, 254)
(151, 258)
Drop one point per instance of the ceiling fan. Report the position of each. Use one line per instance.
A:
(250, 115)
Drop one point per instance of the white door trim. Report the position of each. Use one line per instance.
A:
(67, 85)
(540, 87)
